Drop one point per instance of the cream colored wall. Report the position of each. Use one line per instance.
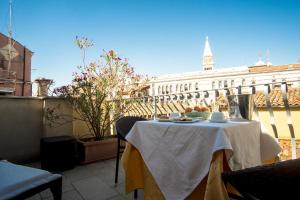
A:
(80, 129)
(21, 125)
(62, 126)
(281, 122)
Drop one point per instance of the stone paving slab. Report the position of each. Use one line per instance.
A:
(94, 181)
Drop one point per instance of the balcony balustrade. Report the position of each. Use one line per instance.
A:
(277, 105)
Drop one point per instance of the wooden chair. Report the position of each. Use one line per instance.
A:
(20, 182)
(123, 126)
(273, 181)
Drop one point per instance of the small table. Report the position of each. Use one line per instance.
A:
(180, 156)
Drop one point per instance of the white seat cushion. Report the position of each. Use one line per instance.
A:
(16, 179)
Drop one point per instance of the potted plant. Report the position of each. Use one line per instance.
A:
(97, 97)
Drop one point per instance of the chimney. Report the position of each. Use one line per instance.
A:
(43, 85)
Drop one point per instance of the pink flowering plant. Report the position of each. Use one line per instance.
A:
(97, 90)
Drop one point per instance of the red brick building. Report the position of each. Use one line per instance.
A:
(15, 80)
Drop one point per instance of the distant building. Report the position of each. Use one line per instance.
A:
(15, 80)
(211, 79)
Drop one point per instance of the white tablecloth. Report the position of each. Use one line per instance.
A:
(179, 155)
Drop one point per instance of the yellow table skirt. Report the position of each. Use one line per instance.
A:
(137, 176)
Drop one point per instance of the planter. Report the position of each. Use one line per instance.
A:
(93, 151)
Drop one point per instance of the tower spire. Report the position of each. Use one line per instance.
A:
(207, 62)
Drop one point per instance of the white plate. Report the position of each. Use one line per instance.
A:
(164, 120)
(194, 120)
(218, 121)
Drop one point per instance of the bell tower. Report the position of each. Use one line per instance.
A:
(207, 62)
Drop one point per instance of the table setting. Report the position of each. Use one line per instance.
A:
(183, 156)
(200, 114)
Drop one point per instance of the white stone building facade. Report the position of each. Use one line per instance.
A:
(210, 79)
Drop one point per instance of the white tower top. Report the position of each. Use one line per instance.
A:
(207, 62)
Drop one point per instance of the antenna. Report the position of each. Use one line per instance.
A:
(259, 56)
(9, 35)
(268, 55)
(268, 63)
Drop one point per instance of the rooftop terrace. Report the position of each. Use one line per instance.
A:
(90, 182)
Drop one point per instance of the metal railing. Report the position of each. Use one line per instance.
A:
(164, 104)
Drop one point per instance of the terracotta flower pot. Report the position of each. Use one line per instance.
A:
(93, 151)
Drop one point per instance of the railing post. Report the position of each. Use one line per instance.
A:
(205, 96)
(154, 107)
(269, 107)
(284, 90)
(215, 103)
(239, 89)
(253, 92)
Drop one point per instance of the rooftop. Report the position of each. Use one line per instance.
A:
(275, 98)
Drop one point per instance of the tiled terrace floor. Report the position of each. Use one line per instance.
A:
(91, 182)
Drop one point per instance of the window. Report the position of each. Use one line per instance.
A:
(158, 90)
(220, 84)
(190, 87)
(167, 89)
(274, 82)
(213, 85)
(253, 82)
(243, 81)
(177, 88)
(171, 89)
(232, 83)
(185, 87)
(225, 84)
(196, 86)
(181, 88)
(163, 89)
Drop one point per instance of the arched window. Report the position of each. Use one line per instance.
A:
(158, 90)
(213, 85)
(273, 82)
(243, 81)
(167, 89)
(225, 84)
(181, 88)
(171, 88)
(190, 87)
(186, 87)
(220, 84)
(177, 88)
(196, 86)
(163, 89)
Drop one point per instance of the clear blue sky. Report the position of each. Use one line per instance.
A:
(158, 36)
